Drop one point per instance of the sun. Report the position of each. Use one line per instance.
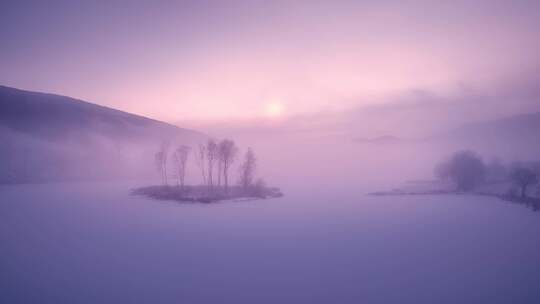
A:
(273, 109)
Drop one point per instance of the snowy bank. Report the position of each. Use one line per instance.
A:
(205, 194)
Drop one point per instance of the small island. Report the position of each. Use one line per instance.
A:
(201, 194)
(214, 159)
(466, 173)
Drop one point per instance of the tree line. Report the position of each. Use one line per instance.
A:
(467, 170)
(214, 160)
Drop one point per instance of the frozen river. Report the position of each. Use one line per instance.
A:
(93, 243)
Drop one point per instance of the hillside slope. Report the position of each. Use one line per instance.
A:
(513, 138)
(49, 137)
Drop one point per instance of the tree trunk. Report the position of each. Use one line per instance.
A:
(226, 179)
(210, 169)
(219, 174)
(179, 181)
(165, 174)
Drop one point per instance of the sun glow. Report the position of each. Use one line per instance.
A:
(273, 109)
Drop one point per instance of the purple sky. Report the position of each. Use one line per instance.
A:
(219, 60)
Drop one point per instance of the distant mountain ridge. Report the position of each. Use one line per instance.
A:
(48, 137)
(512, 138)
(523, 126)
(51, 116)
(385, 139)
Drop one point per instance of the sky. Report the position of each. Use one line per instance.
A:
(186, 61)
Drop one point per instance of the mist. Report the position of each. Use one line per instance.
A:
(270, 152)
(395, 139)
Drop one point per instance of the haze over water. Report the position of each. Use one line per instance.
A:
(336, 99)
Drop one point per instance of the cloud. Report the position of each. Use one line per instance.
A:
(411, 114)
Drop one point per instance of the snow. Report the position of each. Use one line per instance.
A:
(94, 243)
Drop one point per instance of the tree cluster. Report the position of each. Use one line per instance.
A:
(214, 160)
(467, 170)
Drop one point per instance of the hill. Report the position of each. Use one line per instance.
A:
(513, 137)
(48, 137)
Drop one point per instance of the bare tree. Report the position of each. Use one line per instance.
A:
(523, 177)
(227, 155)
(160, 160)
(219, 165)
(180, 157)
(211, 157)
(201, 161)
(247, 169)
